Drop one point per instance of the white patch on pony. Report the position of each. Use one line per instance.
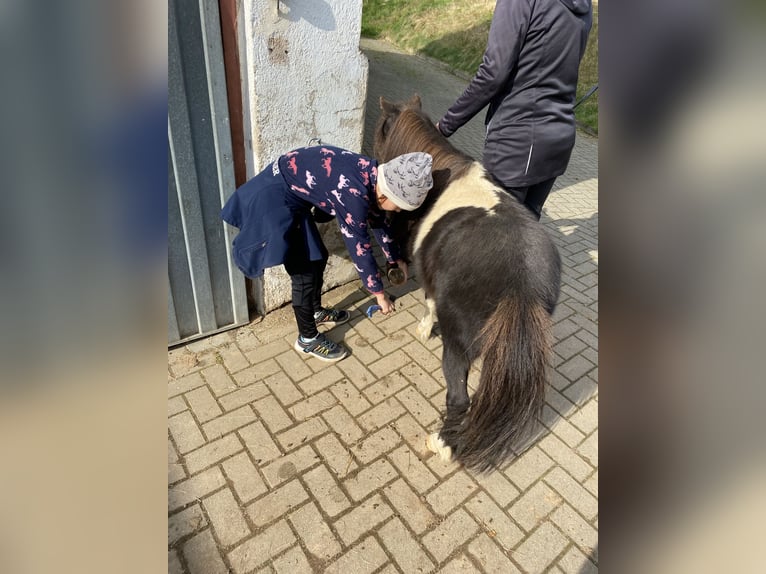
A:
(434, 443)
(427, 322)
(474, 189)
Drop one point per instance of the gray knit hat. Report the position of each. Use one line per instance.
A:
(406, 179)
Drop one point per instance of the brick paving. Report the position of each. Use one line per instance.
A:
(278, 463)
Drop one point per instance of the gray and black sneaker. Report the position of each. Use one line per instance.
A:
(331, 317)
(322, 348)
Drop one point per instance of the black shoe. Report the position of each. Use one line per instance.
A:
(322, 348)
(331, 317)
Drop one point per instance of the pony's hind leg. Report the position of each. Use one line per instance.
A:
(427, 322)
(455, 365)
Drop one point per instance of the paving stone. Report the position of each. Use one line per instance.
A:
(343, 424)
(174, 564)
(356, 372)
(534, 505)
(418, 406)
(259, 443)
(451, 493)
(573, 493)
(293, 561)
(529, 467)
(413, 469)
(386, 387)
(185, 384)
(592, 484)
(176, 471)
(421, 379)
(256, 373)
(422, 356)
(389, 363)
(409, 506)
(540, 549)
(176, 405)
(381, 415)
(452, 533)
(364, 558)
(186, 522)
(412, 433)
(290, 465)
(194, 488)
(314, 532)
(185, 432)
(212, 453)
(559, 402)
(376, 444)
(491, 557)
(261, 548)
(243, 396)
(294, 365)
(575, 367)
(272, 414)
(335, 455)
(565, 457)
(575, 562)
(203, 404)
(300, 434)
(228, 521)
(494, 521)
(202, 555)
(370, 478)
(589, 449)
(313, 405)
(582, 391)
(277, 503)
(586, 419)
(350, 397)
(229, 422)
(325, 490)
(459, 565)
(283, 388)
(328, 376)
(498, 487)
(361, 519)
(576, 528)
(219, 381)
(404, 548)
(561, 427)
(244, 477)
(266, 351)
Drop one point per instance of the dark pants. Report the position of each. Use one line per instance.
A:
(307, 277)
(533, 196)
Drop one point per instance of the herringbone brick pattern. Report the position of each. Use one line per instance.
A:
(280, 464)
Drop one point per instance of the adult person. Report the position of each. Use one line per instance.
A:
(528, 77)
(273, 211)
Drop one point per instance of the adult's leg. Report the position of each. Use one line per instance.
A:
(536, 196)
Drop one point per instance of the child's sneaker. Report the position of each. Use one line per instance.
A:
(322, 348)
(331, 317)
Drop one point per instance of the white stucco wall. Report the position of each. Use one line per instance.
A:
(303, 77)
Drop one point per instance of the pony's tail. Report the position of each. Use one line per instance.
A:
(511, 392)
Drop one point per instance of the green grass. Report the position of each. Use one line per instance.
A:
(455, 32)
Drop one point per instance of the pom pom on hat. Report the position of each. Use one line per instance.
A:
(406, 179)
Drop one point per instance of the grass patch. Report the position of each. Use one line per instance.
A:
(455, 32)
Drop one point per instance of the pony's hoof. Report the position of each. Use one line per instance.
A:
(435, 444)
(424, 332)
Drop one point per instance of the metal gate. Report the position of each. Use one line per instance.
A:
(206, 292)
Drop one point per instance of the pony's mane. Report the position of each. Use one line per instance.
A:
(413, 130)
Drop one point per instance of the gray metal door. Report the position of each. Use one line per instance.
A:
(206, 292)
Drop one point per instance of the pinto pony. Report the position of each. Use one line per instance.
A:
(491, 274)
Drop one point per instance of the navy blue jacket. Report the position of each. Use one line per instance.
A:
(339, 182)
(528, 77)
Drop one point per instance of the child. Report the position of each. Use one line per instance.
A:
(273, 213)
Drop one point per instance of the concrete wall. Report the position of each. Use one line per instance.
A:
(303, 78)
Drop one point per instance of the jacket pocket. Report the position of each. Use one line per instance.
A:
(250, 259)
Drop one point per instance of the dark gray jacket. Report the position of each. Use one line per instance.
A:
(529, 79)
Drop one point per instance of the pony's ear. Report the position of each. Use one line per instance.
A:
(415, 102)
(387, 106)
